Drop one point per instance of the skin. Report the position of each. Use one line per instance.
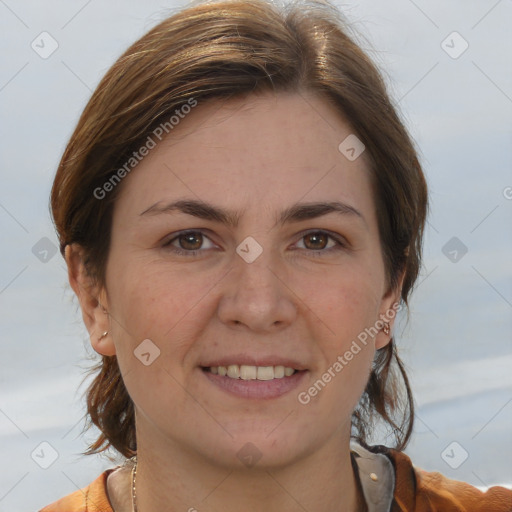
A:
(299, 299)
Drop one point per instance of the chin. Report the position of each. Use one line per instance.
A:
(261, 445)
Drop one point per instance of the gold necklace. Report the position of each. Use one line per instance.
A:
(134, 488)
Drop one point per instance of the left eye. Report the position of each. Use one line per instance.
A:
(319, 241)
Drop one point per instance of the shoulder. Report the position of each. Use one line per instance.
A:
(92, 498)
(421, 491)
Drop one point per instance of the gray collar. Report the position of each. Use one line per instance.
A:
(377, 478)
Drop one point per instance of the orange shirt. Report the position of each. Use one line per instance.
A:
(415, 490)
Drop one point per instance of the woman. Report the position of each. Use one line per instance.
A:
(241, 212)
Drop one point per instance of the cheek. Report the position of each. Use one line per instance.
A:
(347, 304)
(348, 310)
(155, 302)
(153, 297)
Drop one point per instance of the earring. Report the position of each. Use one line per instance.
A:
(386, 328)
(103, 335)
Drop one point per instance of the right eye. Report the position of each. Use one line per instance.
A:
(187, 243)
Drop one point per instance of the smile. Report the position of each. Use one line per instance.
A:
(254, 382)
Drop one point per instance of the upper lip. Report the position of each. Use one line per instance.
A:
(244, 359)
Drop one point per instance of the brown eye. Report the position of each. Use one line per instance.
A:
(316, 241)
(321, 243)
(190, 241)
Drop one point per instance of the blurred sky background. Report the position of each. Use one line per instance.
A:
(457, 103)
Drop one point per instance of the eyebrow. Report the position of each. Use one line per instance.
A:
(295, 213)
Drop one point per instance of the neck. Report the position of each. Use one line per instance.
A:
(174, 479)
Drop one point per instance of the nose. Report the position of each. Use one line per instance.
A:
(256, 295)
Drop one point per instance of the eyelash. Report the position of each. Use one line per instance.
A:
(340, 243)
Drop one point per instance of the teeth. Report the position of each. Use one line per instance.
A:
(265, 373)
(278, 372)
(234, 371)
(246, 372)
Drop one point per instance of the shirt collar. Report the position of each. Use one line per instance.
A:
(376, 477)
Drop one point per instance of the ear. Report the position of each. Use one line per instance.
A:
(389, 307)
(93, 301)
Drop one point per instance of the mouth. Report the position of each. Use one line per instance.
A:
(255, 382)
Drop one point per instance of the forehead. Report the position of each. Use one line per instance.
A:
(258, 151)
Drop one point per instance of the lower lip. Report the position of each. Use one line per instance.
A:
(262, 389)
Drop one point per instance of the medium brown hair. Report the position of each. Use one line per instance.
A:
(227, 49)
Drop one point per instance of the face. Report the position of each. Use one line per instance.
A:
(245, 275)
